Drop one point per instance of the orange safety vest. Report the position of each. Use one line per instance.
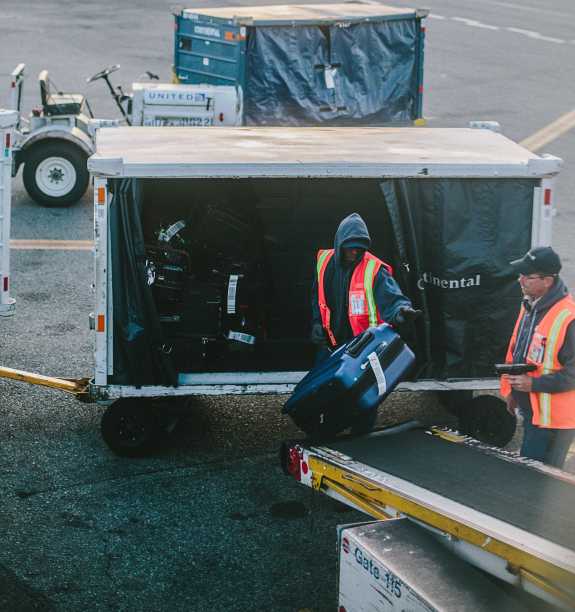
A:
(550, 410)
(362, 309)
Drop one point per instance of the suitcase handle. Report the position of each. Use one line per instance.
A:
(357, 345)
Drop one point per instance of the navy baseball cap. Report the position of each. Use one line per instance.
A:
(539, 260)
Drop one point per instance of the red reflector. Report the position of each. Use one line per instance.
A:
(13, 84)
(342, 609)
(424, 30)
(293, 464)
(304, 467)
(547, 197)
(5, 283)
(421, 89)
(221, 117)
(101, 325)
(8, 140)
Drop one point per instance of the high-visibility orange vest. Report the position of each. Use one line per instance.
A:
(362, 309)
(550, 410)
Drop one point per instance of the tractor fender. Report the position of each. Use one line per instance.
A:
(73, 135)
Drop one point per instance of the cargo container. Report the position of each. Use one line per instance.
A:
(327, 64)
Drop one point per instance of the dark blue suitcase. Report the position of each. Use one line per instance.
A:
(351, 383)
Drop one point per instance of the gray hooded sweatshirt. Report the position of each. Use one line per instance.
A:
(352, 231)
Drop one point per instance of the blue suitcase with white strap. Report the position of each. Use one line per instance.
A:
(351, 383)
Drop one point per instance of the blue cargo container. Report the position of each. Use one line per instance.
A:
(331, 64)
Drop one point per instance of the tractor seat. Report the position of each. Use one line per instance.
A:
(58, 103)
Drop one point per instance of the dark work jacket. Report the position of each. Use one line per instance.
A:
(557, 382)
(388, 296)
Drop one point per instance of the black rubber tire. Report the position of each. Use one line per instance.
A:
(68, 151)
(131, 427)
(455, 402)
(486, 419)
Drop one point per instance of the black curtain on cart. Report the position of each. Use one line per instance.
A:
(454, 240)
(139, 349)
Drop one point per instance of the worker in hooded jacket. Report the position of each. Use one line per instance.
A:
(353, 289)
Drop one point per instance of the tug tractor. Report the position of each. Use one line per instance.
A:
(54, 142)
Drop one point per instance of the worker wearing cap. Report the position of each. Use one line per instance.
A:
(353, 289)
(544, 335)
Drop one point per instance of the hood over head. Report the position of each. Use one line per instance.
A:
(352, 232)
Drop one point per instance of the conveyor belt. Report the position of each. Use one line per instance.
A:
(521, 496)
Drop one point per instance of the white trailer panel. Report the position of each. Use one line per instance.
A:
(165, 104)
(8, 121)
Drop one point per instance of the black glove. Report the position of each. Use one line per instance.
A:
(317, 335)
(407, 314)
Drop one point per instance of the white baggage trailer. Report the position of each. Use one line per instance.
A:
(155, 184)
(8, 122)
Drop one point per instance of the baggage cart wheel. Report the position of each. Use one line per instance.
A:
(455, 402)
(486, 419)
(131, 427)
(55, 173)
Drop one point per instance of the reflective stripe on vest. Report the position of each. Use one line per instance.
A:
(368, 282)
(323, 257)
(549, 365)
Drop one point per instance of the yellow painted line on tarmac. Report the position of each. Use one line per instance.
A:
(550, 132)
(52, 245)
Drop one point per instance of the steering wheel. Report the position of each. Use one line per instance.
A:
(103, 73)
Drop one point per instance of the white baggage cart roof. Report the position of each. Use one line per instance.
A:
(313, 153)
(305, 13)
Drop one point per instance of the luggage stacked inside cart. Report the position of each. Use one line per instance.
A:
(208, 285)
(351, 383)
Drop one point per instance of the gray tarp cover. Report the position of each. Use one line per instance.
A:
(374, 77)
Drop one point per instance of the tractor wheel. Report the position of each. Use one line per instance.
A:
(55, 173)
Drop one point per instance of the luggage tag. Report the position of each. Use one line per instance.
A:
(232, 290)
(378, 371)
(241, 337)
(329, 75)
(168, 234)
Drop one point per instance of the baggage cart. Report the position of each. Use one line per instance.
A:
(448, 208)
(326, 64)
